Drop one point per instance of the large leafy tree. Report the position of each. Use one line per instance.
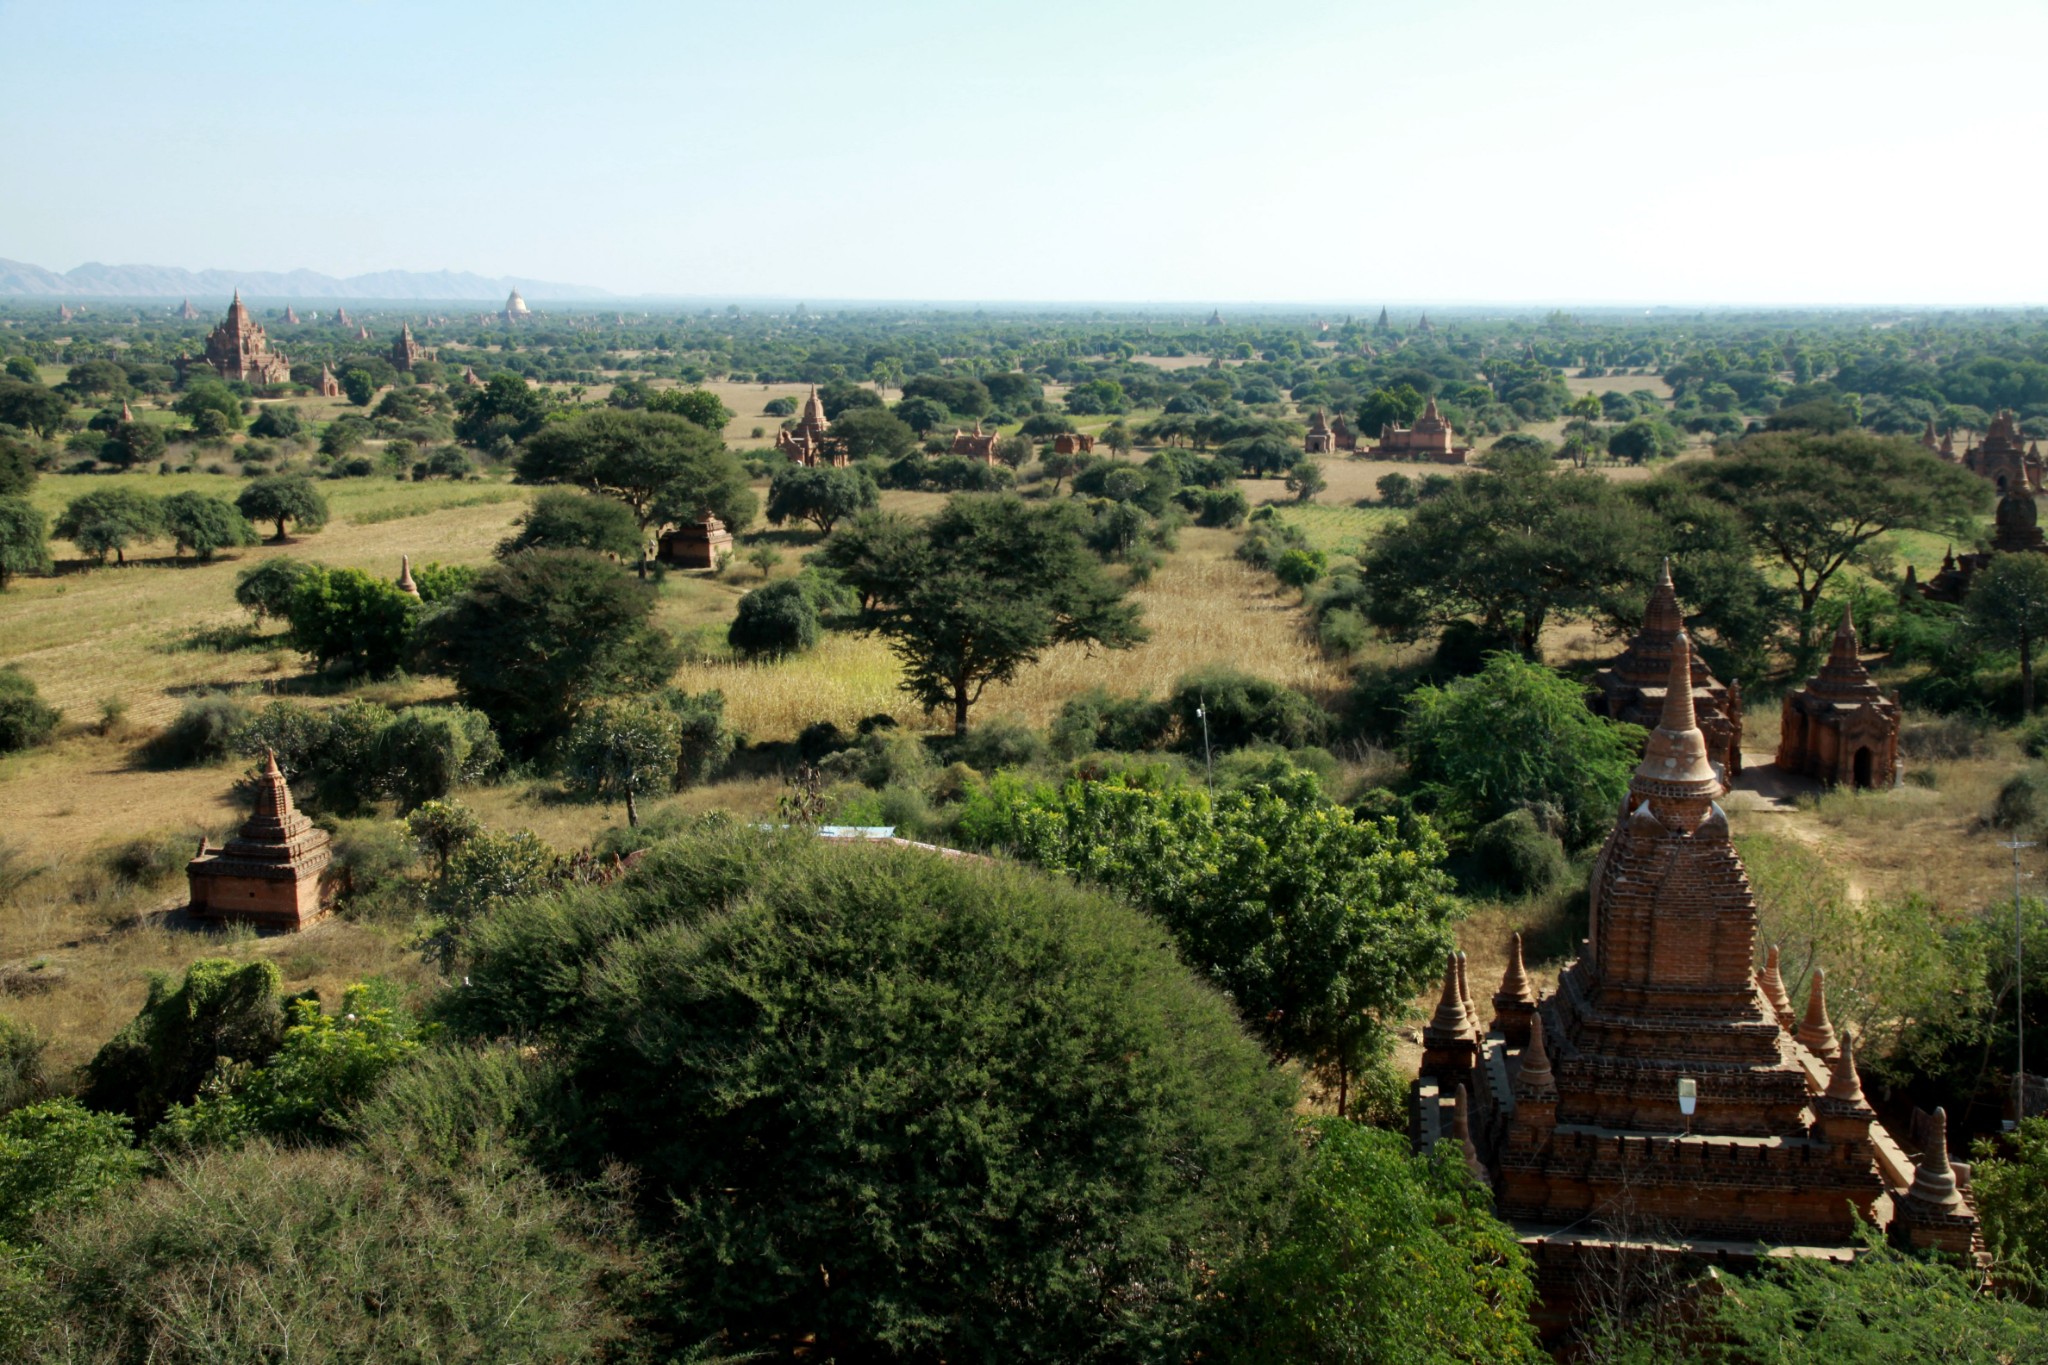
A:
(2008, 609)
(699, 405)
(205, 525)
(1318, 924)
(989, 585)
(505, 408)
(32, 407)
(1518, 732)
(901, 1107)
(24, 539)
(1387, 1255)
(1516, 546)
(864, 551)
(210, 395)
(1397, 406)
(873, 434)
(281, 498)
(543, 633)
(109, 521)
(1814, 503)
(820, 494)
(17, 467)
(660, 465)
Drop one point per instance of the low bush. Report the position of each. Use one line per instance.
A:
(26, 720)
(204, 732)
(1517, 855)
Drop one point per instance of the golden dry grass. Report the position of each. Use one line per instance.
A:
(1203, 607)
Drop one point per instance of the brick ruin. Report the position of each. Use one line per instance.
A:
(1569, 1107)
(696, 544)
(405, 352)
(976, 444)
(1320, 440)
(1431, 438)
(810, 442)
(270, 874)
(2004, 458)
(240, 349)
(2016, 529)
(330, 387)
(1073, 443)
(1839, 728)
(1631, 687)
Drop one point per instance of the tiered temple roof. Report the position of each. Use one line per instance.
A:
(268, 875)
(1631, 688)
(1431, 438)
(240, 349)
(1840, 728)
(809, 441)
(2004, 457)
(405, 352)
(1581, 1129)
(975, 444)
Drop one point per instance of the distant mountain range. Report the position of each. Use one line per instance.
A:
(18, 279)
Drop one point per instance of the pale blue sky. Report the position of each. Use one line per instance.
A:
(1286, 150)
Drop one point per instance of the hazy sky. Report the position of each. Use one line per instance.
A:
(1350, 151)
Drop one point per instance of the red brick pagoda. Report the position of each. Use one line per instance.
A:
(1584, 1133)
(269, 875)
(1631, 688)
(240, 349)
(809, 442)
(1840, 728)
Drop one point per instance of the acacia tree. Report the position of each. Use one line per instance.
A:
(205, 525)
(820, 494)
(109, 520)
(1814, 503)
(2008, 609)
(623, 748)
(1516, 546)
(281, 498)
(660, 465)
(540, 635)
(989, 585)
(24, 543)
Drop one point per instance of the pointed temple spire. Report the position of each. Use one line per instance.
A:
(1663, 616)
(1450, 1018)
(1536, 1077)
(1934, 1180)
(1774, 991)
(1514, 1002)
(1461, 1129)
(1465, 997)
(1815, 1031)
(1676, 781)
(1843, 1083)
(405, 583)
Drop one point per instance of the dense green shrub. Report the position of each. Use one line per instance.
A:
(1241, 709)
(2023, 801)
(703, 743)
(1387, 1256)
(775, 620)
(56, 1156)
(425, 752)
(24, 1079)
(26, 720)
(1517, 855)
(348, 617)
(266, 587)
(1516, 732)
(993, 1106)
(1097, 720)
(564, 519)
(221, 1011)
(999, 744)
(205, 731)
(350, 1258)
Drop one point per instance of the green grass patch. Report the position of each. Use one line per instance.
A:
(1338, 529)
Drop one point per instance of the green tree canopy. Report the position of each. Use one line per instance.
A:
(623, 749)
(219, 1011)
(210, 395)
(345, 616)
(204, 524)
(505, 408)
(2008, 609)
(282, 498)
(1397, 406)
(1515, 546)
(820, 494)
(1518, 733)
(1814, 503)
(17, 467)
(993, 1107)
(987, 586)
(32, 407)
(873, 434)
(699, 405)
(563, 519)
(1320, 926)
(110, 520)
(26, 720)
(1387, 1256)
(542, 634)
(662, 466)
(24, 540)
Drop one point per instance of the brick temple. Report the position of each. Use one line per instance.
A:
(1431, 438)
(1579, 1129)
(405, 352)
(976, 444)
(2016, 530)
(1839, 728)
(240, 349)
(810, 441)
(1631, 688)
(695, 544)
(269, 875)
(2004, 458)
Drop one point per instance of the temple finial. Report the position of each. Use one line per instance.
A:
(1535, 1075)
(1844, 1084)
(1815, 1031)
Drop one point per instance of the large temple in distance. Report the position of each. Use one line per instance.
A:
(1666, 1100)
(240, 349)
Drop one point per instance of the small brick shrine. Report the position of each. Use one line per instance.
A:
(1631, 688)
(270, 874)
(1839, 728)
